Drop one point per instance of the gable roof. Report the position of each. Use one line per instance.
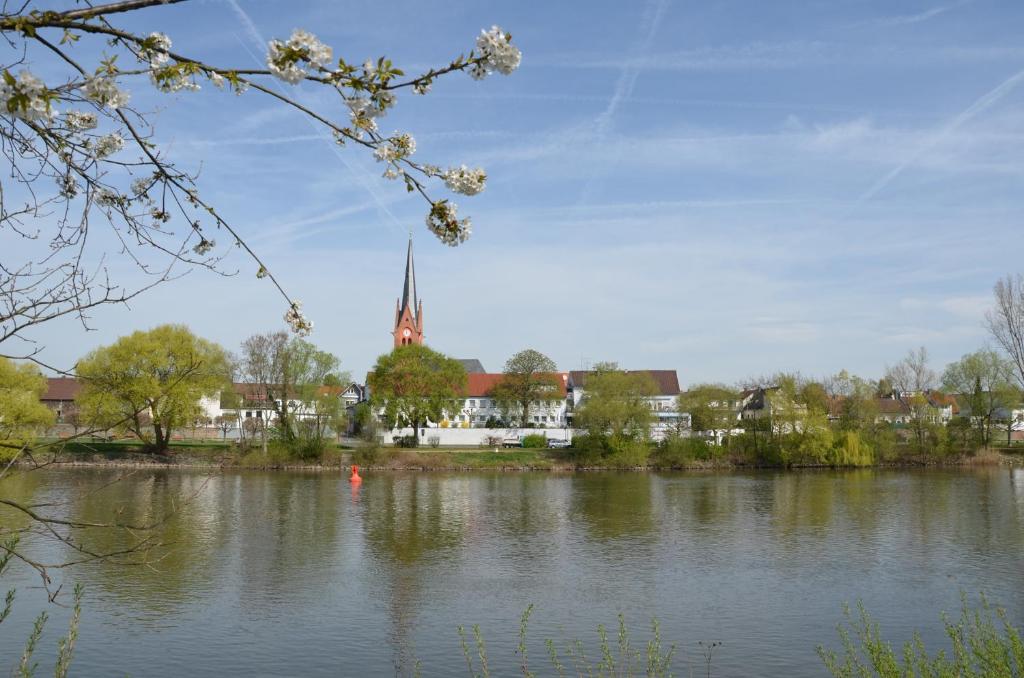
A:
(666, 381)
(62, 388)
(481, 384)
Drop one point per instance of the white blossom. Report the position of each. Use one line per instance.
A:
(172, 79)
(395, 148)
(159, 214)
(107, 198)
(421, 87)
(140, 185)
(464, 180)
(67, 185)
(498, 52)
(103, 90)
(217, 79)
(443, 223)
(297, 321)
(80, 122)
(391, 173)
(262, 273)
(204, 246)
(108, 145)
(35, 106)
(283, 58)
(157, 56)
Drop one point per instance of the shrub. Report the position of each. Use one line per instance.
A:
(434, 441)
(677, 451)
(406, 441)
(492, 441)
(535, 441)
(366, 455)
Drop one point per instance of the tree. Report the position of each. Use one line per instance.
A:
(81, 156)
(984, 381)
(616, 404)
(290, 373)
(1006, 321)
(22, 414)
(151, 382)
(912, 378)
(529, 377)
(710, 407)
(414, 384)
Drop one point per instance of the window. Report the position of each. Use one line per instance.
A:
(472, 403)
(248, 414)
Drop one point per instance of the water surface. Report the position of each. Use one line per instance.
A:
(284, 574)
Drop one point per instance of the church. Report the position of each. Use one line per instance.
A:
(478, 405)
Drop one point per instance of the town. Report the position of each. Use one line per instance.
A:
(974, 404)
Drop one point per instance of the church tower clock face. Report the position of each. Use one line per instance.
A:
(406, 332)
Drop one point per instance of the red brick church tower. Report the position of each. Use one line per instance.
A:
(409, 310)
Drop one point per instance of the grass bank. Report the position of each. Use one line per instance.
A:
(216, 454)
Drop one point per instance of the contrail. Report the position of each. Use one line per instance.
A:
(653, 13)
(257, 38)
(984, 103)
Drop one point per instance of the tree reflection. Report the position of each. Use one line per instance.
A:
(614, 505)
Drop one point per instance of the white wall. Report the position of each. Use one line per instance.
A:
(474, 437)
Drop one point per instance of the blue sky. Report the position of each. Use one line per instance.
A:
(725, 188)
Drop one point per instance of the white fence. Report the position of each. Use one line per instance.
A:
(474, 437)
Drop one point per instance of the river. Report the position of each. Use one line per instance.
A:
(274, 574)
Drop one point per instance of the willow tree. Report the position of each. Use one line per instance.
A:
(150, 383)
(22, 414)
(81, 157)
(414, 384)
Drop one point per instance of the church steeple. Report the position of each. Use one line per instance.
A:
(409, 309)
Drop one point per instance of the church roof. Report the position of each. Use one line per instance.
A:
(471, 365)
(409, 299)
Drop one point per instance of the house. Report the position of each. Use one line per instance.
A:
(663, 402)
(60, 397)
(479, 404)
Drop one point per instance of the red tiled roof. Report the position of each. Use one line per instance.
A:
(62, 388)
(891, 406)
(667, 381)
(481, 383)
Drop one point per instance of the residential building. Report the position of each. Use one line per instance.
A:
(60, 397)
(663, 402)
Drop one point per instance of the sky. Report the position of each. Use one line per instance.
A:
(728, 189)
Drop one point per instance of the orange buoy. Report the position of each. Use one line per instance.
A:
(354, 478)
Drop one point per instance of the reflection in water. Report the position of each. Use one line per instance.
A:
(277, 574)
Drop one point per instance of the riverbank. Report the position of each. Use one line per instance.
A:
(227, 456)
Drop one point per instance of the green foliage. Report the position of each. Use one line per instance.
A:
(984, 643)
(65, 645)
(711, 407)
(22, 415)
(618, 657)
(534, 441)
(529, 377)
(850, 450)
(679, 452)
(366, 455)
(151, 382)
(985, 381)
(414, 384)
(615, 403)
(407, 441)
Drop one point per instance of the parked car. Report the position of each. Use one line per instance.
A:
(555, 443)
(512, 442)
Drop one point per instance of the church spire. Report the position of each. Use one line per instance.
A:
(409, 291)
(408, 309)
